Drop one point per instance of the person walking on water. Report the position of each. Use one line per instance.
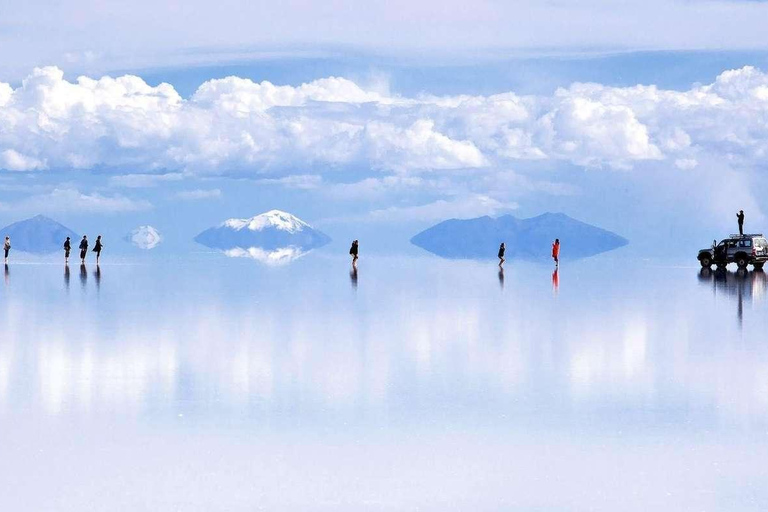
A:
(556, 251)
(502, 249)
(97, 247)
(7, 248)
(83, 249)
(67, 248)
(353, 251)
(740, 218)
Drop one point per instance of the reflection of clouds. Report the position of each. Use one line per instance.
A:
(294, 355)
(279, 256)
(602, 363)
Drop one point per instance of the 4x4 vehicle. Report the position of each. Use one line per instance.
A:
(743, 250)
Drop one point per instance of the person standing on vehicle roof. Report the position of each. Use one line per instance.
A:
(740, 218)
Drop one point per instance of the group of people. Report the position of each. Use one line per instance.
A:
(97, 247)
(555, 252)
(355, 249)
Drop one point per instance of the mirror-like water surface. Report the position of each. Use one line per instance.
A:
(412, 384)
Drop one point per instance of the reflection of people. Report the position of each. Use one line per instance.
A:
(83, 249)
(501, 276)
(353, 276)
(97, 275)
(7, 274)
(740, 218)
(502, 249)
(353, 251)
(66, 276)
(556, 280)
(556, 251)
(7, 247)
(67, 248)
(83, 275)
(97, 247)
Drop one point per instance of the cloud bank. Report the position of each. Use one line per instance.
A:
(237, 126)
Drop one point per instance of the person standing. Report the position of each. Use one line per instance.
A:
(67, 248)
(556, 251)
(97, 247)
(83, 249)
(7, 247)
(740, 218)
(502, 250)
(353, 251)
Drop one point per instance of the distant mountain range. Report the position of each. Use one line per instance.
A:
(524, 238)
(38, 235)
(271, 237)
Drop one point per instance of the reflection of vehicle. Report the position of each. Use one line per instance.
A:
(740, 249)
(741, 285)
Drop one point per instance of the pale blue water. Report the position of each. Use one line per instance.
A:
(205, 383)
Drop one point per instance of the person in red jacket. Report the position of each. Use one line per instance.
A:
(556, 251)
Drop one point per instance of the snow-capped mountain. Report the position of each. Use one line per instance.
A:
(39, 234)
(272, 219)
(275, 233)
(144, 237)
(524, 238)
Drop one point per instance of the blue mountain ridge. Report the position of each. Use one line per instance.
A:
(39, 234)
(530, 238)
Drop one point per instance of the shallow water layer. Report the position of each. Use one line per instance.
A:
(210, 383)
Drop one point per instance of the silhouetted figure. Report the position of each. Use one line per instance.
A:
(556, 251)
(502, 250)
(97, 247)
(66, 277)
(67, 248)
(353, 277)
(97, 275)
(501, 276)
(740, 218)
(83, 275)
(353, 251)
(83, 249)
(7, 248)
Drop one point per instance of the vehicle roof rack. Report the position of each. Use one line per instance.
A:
(745, 235)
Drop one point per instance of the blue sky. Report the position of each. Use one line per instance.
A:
(379, 122)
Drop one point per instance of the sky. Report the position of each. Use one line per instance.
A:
(375, 121)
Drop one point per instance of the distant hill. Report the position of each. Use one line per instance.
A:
(524, 238)
(38, 235)
(274, 236)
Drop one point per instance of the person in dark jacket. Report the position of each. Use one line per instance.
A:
(740, 218)
(7, 247)
(502, 250)
(353, 251)
(97, 247)
(67, 248)
(83, 249)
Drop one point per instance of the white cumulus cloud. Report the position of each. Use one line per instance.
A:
(235, 125)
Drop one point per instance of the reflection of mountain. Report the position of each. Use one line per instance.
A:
(272, 237)
(740, 285)
(144, 237)
(279, 256)
(38, 235)
(525, 238)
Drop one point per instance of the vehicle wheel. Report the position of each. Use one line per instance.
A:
(742, 262)
(758, 266)
(706, 262)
